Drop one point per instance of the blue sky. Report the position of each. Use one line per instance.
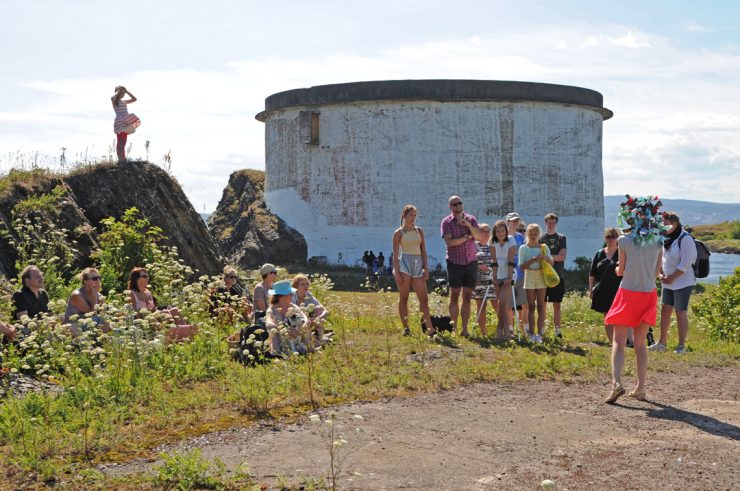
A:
(201, 70)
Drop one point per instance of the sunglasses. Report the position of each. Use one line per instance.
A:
(230, 276)
(611, 237)
(456, 204)
(143, 275)
(93, 278)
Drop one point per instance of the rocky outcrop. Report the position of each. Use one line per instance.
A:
(88, 195)
(245, 230)
(110, 190)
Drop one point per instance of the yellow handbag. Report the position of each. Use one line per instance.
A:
(548, 271)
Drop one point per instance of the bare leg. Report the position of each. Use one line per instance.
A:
(641, 356)
(556, 315)
(482, 317)
(541, 311)
(609, 332)
(420, 287)
(666, 311)
(503, 312)
(403, 299)
(454, 307)
(682, 319)
(532, 302)
(620, 340)
(467, 296)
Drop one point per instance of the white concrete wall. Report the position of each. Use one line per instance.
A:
(345, 195)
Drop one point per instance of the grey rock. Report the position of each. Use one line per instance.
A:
(245, 230)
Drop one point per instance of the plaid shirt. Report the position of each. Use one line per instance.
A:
(464, 253)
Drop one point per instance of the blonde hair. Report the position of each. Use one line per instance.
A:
(229, 269)
(406, 210)
(534, 226)
(297, 279)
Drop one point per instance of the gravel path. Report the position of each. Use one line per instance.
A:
(508, 437)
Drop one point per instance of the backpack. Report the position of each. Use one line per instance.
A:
(701, 266)
(248, 336)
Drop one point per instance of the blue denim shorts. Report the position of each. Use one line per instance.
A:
(678, 299)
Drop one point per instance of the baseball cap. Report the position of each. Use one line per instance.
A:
(512, 216)
(268, 268)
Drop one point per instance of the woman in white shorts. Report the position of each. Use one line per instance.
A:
(410, 268)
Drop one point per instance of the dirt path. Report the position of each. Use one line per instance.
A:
(510, 437)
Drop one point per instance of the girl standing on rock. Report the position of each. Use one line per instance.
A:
(410, 268)
(125, 123)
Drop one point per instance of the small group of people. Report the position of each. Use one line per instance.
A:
(277, 304)
(499, 265)
(33, 301)
(289, 306)
(622, 286)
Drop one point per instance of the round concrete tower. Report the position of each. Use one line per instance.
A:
(342, 160)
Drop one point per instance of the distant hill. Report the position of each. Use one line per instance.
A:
(205, 216)
(691, 212)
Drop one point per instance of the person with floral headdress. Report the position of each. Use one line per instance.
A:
(636, 302)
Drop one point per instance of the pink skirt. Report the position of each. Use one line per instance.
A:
(126, 124)
(632, 308)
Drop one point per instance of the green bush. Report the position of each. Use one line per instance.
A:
(735, 230)
(125, 244)
(719, 311)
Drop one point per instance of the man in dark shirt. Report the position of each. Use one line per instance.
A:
(558, 249)
(31, 299)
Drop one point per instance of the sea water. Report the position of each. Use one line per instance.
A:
(721, 265)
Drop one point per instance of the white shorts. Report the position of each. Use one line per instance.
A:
(411, 265)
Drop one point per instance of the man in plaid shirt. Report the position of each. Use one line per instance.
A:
(460, 231)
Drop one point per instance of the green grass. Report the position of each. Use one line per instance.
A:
(720, 237)
(119, 413)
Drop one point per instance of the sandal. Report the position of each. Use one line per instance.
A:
(407, 332)
(617, 392)
(640, 396)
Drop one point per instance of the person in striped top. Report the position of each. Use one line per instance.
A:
(125, 123)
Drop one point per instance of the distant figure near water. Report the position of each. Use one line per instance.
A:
(125, 123)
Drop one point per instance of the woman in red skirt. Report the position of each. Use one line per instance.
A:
(635, 306)
(125, 123)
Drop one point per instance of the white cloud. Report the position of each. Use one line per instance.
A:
(674, 130)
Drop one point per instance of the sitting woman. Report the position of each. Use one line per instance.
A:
(228, 302)
(7, 333)
(141, 298)
(286, 322)
(84, 300)
(317, 313)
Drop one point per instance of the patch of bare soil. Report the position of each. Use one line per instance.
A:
(509, 437)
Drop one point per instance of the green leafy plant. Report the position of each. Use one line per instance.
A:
(719, 311)
(124, 244)
(189, 470)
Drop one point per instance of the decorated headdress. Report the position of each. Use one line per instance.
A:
(639, 218)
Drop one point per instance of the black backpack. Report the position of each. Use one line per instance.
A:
(701, 266)
(247, 338)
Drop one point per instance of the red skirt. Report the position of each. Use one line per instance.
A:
(632, 308)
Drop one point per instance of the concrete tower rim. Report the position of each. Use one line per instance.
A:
(440, 90)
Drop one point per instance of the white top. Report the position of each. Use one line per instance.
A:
(680, 259)
(502, 256)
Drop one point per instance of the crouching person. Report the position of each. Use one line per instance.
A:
(142, 298)
(84, 300)
(287, 324)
